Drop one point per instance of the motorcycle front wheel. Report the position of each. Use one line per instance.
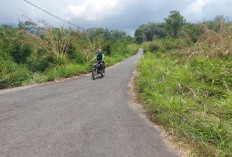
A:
(94, 74)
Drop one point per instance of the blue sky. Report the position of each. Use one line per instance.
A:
(125, 15)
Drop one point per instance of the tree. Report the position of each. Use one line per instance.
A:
(147, 32)
(120, 35)
(139, 34)
(192, 31)
(154, 29)
(174, 23)
(107, 34)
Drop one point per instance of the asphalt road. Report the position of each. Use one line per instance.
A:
(79, 117)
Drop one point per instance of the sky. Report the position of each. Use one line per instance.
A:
(126, 15)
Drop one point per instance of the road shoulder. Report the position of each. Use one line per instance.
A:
(137, 105)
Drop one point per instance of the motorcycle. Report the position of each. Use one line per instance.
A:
(97, 67)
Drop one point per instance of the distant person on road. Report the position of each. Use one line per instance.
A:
(100, 59)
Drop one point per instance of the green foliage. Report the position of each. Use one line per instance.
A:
(120, 35)
(13, 75)
(40, 60)
(37, 78)
(106, 34)
(149, 32)
(174, 23)
(11, 44)
(4, 64)
(164, 45)
(192, 32)
(70, 70)
(20, 52)
(133, 48)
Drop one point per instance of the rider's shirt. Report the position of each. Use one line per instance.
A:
(99, 57)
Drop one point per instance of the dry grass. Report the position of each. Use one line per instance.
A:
(212, 43)
(57, 41)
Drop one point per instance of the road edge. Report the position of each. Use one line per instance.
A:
(167, 138)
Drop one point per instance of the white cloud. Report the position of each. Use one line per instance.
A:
(113, 14)
(196, 8)
(77, 10)
(91, 10)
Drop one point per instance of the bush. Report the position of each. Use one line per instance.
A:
(133, 48)
(15, 76)
(164, 45)
(64, 71)
(40, 60)
(52, 74)
(78, 57)
(70, 70)
(110, 61)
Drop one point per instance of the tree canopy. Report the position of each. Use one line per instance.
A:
(149, 31)
(174, 23)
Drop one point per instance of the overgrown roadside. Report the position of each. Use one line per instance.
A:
(57, 79)
(31, 54)
(75, 73)
(137, 104)
(189, 93)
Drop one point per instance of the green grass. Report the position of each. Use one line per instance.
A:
(192, 100)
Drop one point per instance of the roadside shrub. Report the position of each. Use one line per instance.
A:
(51, 74)
(37, 78)
(61, 60)
(164, 45)
(15, 76)
(110, 61)
(40, 60)
(133, 48)
(70, 70)
(78, 57)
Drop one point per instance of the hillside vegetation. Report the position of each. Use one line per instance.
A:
(35, 53)
(186, 85)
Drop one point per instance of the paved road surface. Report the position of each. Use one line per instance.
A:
(78, 118)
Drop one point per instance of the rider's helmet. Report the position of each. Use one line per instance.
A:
(99, 51)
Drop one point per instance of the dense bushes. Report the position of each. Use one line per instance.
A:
(13, 74)
(149, 32)
(163, 45)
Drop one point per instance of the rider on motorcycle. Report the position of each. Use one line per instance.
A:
(100, 59)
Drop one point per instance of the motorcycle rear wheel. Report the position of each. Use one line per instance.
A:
(103, 74)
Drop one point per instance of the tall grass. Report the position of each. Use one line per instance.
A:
(54, 40)
(189, 92)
